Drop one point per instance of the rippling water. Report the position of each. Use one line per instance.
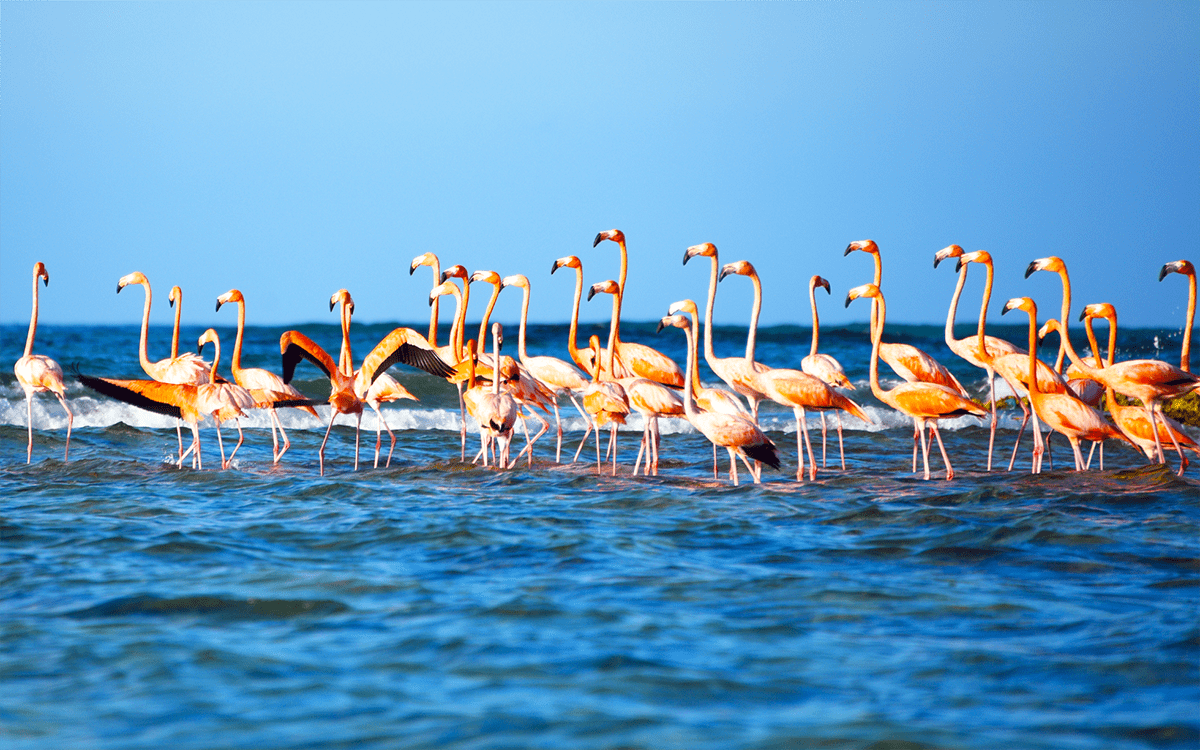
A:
(434, 604)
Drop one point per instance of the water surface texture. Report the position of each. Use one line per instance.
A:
(435, 604)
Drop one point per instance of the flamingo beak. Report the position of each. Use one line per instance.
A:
(848, 297)
(724, 272)
(599, 236)
(849, 249)
(825, 284)
(218, 305)
(661, 325)
(1032, 267)
(554, 267)
(591, 293)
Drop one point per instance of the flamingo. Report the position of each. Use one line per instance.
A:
(968, 348)
(431, 260)
(651, 399)
(910, 363)
(294, 346)
(185, 368)
(794, 389)
(1187, 269)
(640, 359)
(1148, 380)
(606, 402)
(176, 295)
(1131, 419)
(735, 433)
(385, 389)
(559, 377)
(926, 403)
(37, 373)
(1063, 412)
(496, 411)
(221, 400)
(268, 388)
(824, 366)
(452, 352)
(737, 372)
(1011, 367)
(582, 357)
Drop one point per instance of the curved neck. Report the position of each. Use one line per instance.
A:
(212, 372)
(460, 316)
(32, 318)
(878, 315)
(708, 312)
(1185, 356)
(1033, 347)
(962, 280)
(346, 358)
(692, 365)
(143, 357)
(878, 280)
(521, 354)
(624, 267)
(487, 314)
(752, 335)
(175, 331)
(496, 364)
(572, 335)
(433, 311)
(1064, 341)
(816, 334)
(613, 330)
(983, 306)
(1066, 346)
(235, 363)
(694, 378)
(1091, 335)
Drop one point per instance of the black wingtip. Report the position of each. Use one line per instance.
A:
(764, 452)
(1032, 267)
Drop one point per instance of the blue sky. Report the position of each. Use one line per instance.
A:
(293, 149)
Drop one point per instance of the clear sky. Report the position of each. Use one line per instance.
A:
(292, 149)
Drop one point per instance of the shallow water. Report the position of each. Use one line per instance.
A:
(435, 604)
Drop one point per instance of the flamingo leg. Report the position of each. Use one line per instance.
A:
(321, 452)
(220, 444)
(916, 439)
(1078, 454)
(655, 439)
(612, 443)
(71, 420)
(1024, 421)
(598, 471)
(1091, 452)
(823, 463)
(283, 435)
(732, 466)
(812, 464)
(29, 411)
(545, 426)
(714, 445)
(841, 448)
(195, 446)
(945, 459)
(1171, 433)
(241, 437)
(992, 434)
(179, 434)
(799, 447)
(462, 422)
(585, 437)
(1158, 451)
(924, 446)
(641, 450)
(357, 430)
(755, 475)
(558, 433)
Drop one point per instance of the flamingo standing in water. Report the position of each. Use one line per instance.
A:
(431, 260)
(1132, 419)
(737, 372)
(184, 368)
(221, 400)
(968, 348)
(1062, 412)
(385, 389)
(735, 433)
(794, 389)
(641, 360)
(37, 373)
(824, 366)
(606, 403)
(582, 357)
(494, 409)
(1187, 269)
(268, 389)
(926, 403)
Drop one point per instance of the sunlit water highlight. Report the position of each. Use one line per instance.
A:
(435, 604)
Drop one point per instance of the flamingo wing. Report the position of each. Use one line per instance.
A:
(406, 346)
(295, 346)
(151, 395)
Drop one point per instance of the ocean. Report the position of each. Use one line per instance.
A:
(436, 604)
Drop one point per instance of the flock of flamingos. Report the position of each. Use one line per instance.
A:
(606, 383)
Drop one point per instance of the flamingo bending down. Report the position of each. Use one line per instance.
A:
(824, 367)
(268, 389)
(641, 360)
(1132, 419)
(737, 372)
(735, 433)
(650, 398)
(385, 389)
(38, 373)
(1187, 269)
(968, 348)
(1062, 412)
(555, 375)
(926, 403)
(221, 400)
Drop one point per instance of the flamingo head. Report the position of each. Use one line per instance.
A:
(517, 279)
(342, 296)
(1049, 263)
(1050, 325)
(454, 272)
(233, 295)
(498, 336)
(1099, 310)
(864, 290)
(208, 337)
(817, 281)
(424, 259)
(686, 305)
(176, 294)
(446, 287)
(137, 277)
(979, 256)
(950, 251)
(867, 246)
(490, 277)
(740, 267)
(39, 272)
(707, 249)
(1020, 303)
(1179, 266)
(678, 321)
(616, 235)
(569, 260)
(606, 287)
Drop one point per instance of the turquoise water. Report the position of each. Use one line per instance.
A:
(435, 604)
